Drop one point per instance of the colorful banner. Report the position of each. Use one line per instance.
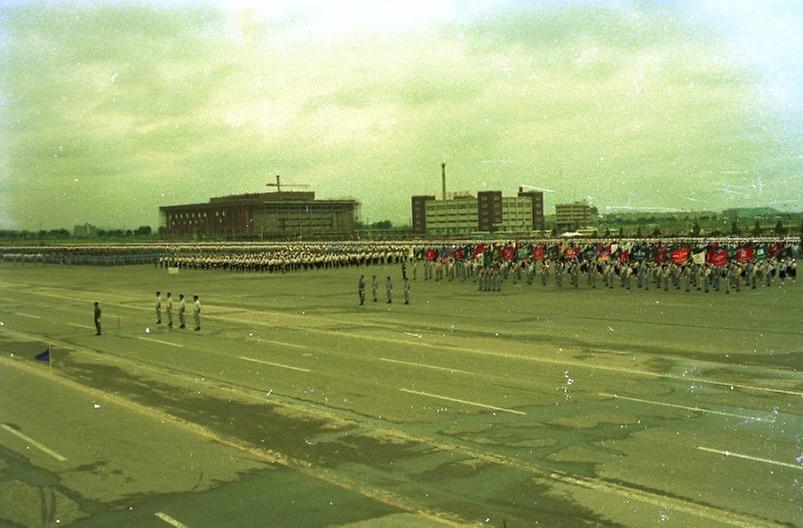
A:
(744, 254)
(718, 257)
(659, 254)
(507, 253)
(538, 253)
(681, 255)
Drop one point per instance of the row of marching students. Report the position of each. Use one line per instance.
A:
(641, 274)
(283, 261)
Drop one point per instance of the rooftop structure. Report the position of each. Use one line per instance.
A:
(279, 214)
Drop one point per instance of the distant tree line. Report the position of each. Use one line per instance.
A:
(65, 234)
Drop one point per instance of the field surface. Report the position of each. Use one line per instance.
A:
(294, 406)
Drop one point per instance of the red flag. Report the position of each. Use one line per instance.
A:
(718, 257)
(479, 249)
(660, 254)
(775, 249)
(458, 254)
(431, 254)
(538, 252)
(624, 256)
(507, 252)
(744, 254)
(681, 256)
(571, 253)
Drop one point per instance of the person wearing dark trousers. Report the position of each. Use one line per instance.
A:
(97, 318)
(196, 312)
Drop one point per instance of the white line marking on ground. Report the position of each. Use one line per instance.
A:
(79, 325)
(565, 363)
(169, 520)
(274, 364)
(33, 442)
(31, 316)
(676, 406)
(412, 364)
(748, 457)
(280, 343)
(430, 395)
(160, 341)
(737, 385)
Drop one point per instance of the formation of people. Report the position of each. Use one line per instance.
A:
(167, 304)
(487, 261)
(733, 276)
(711, 266)
(388, 289)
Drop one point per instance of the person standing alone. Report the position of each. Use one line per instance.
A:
(97, 318)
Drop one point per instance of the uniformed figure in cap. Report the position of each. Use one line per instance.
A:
(389, 288)
(97, 318)
(374, 287)
(196, 312)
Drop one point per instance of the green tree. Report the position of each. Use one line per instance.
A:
(757, 229)
(695, 229)
(735, 228)
(143, 230)
(621, 231)
(779, 228)
(639, 233)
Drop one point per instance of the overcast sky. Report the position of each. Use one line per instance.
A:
(110, 109)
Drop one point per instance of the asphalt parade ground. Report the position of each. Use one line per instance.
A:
(294, 406)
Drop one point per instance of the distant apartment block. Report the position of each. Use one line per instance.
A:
(488, 211)
(574, 216)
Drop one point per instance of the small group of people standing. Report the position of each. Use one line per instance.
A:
(182, 309)
(168, 304)
(388, 289)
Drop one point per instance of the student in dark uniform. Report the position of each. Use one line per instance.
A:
(97, 318)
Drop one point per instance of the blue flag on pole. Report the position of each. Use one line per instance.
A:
(43, 356)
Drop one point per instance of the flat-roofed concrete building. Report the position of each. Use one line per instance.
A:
(574, 216)
(280, 215)
(419, 204)
(489, 211)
